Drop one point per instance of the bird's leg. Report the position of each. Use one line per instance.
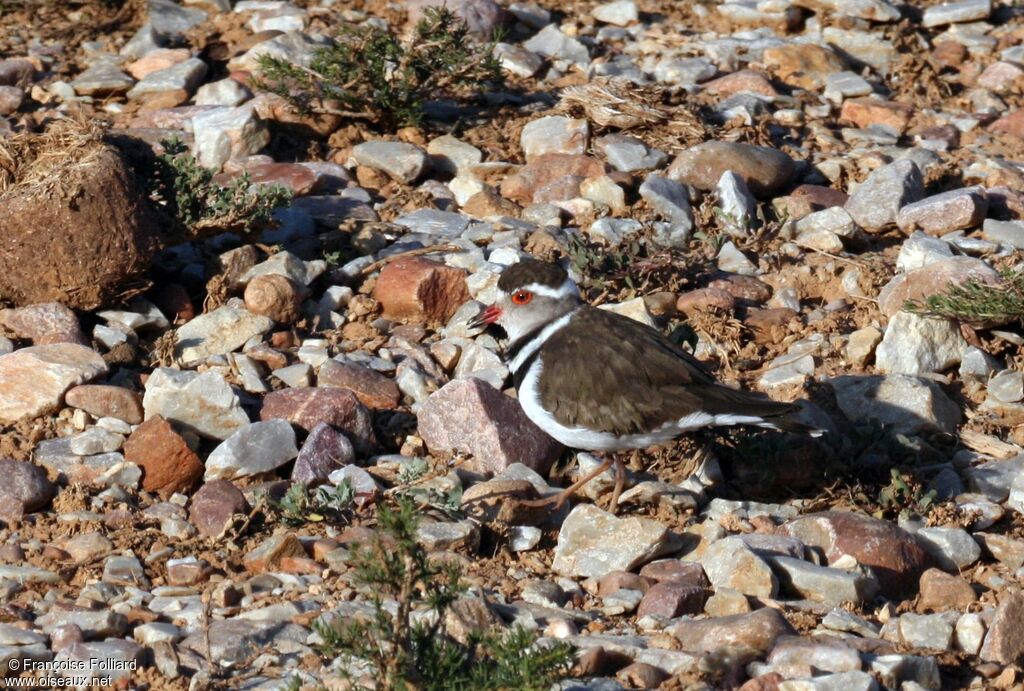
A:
(620, 481)
(559, 499)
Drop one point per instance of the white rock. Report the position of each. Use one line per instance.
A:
(915, 344)
(203, 402)
(222, 331)
(258, 447)
(225, 133)
(619, 12)
(554, 134)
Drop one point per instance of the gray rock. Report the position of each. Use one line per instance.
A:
(293, 46)
(222, 331)
(95, 440)
(670, 201)
(915, 344)
(235, 642)
(204, 403)
(170, 20)
(737, 204)
(841, 620)
(1007, 386)
(517, 60)
(93, 623)
(1004, 232)
(33, 380)
(221, 134)
(102, 79)
(893, 670)
(957, 12)
(433, 222)
(403, 162)
(110, 659)
(453, 155)
(933, 631)
(437, 536)
(994, 479)
(124, 570)
(629, 154)
(731, 260)
(552, 43)
(184, 76)
(943, 213)
(822, 583)
(593, 542)
(25, 489)
(969, 633)
(730, 563)
(842, 85)
(793, 656)
(877, 201)
(909, 404)
(618, 12)
(223, 92)
(952, 548)
(920, 250)
(258, 447)
(554, 134)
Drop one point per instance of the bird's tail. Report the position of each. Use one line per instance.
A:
(770, 414)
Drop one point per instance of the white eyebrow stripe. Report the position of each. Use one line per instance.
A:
(566, 289)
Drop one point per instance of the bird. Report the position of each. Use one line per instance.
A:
(601, 382)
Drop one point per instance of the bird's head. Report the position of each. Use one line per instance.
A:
(531, 294)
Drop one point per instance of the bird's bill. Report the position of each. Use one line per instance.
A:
(487, 316)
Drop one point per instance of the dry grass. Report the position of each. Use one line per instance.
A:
(50, 158)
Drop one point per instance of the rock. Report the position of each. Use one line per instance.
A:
(170, 20)
(324, 451)
(470, 416)
(223, 92)
(44, 323)
(671, 599)
(935, 277)
(731, 564)
(629, 154)
(33, 380)
(256, 448)
(213, 505)
(168, 464)
(552, 43)
(221, 134)
(940, 591)
(874, 112)
(895, 556)
(373, 389)
(437, 536)
(417, 290)
(452, 155)
(738, 208)
(766, 171)
(804, 65)
(1004, 643)
(267, 556)
(860, 347)
(670, 201)
(203, 403)
(1004, 232)
(554, 134)
(758, 630)
(545, 169)
(618, 12)
(275, 297)
(953, 549)
(592, 542)
(823, 584)
(1006, 386)
(909, 404)
(795, 656)
(956, 12)
(222, 331)
(943, 213)
(308, 407)
(102, 80)
(915, 344)
(876, 202)
(25, 489)
(176, 82)
(969, 633)
(403, 162)
(483, 17)
(517, 60)
(106, 401)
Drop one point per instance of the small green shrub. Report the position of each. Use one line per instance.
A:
(407, 655)
(976, 301)
(370, 74)
(190, 195)
(300, 505)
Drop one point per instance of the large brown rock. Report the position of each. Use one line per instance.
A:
(1005, 640)
(471, 416)
(49, 322)
(168, 464)
(420, 290)
(765, 170)
(214, 504)
(101, 400)
(307, 407)
(33, 380)
(757, 630)
(76, 226)
(546, 168)
(933, 279)
(372, 388)
(25, 488)
(895, 556)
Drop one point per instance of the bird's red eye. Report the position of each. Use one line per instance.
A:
(521, 297)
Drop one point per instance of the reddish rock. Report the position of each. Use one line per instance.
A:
(943, 213)
(1011, 124)
(420, 290)
(1004, 643)
(949, 53)
(671, 599)
(743, 81)
(296, 178)
(470, 416)
(520, 187)
(25, 489)
(940, 590)
(168, 464)
(272, 551)
(820, 197)
(49, 322)
(804, 65)
(180, 572)
(676, 571)
(172, 299)
(614, 581)
(487, 203)
(745, 288)
(757, 630)
(156, 60)
(765, 170)
(504, 503)
(892, 553)
(214, 504)
(932, 279)
(765, 682)
(704, 299)
(865, 112)
(324, 451)
(641, 675)
(307, 407)
(559, 190)
(1001, 77)
(101, 400)
(372, 388)
(274, 296)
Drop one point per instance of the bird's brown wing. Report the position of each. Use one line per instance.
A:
(613, 374)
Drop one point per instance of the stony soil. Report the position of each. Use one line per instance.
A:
(768, 182)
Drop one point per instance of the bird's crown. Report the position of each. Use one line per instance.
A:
(532, 272)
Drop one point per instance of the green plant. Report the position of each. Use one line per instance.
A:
(975, 301)
(407, 652)
(905, 497)
(369, 73)
(190, 194)
(299, 505)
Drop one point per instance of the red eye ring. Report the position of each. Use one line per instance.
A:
(521, 297)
